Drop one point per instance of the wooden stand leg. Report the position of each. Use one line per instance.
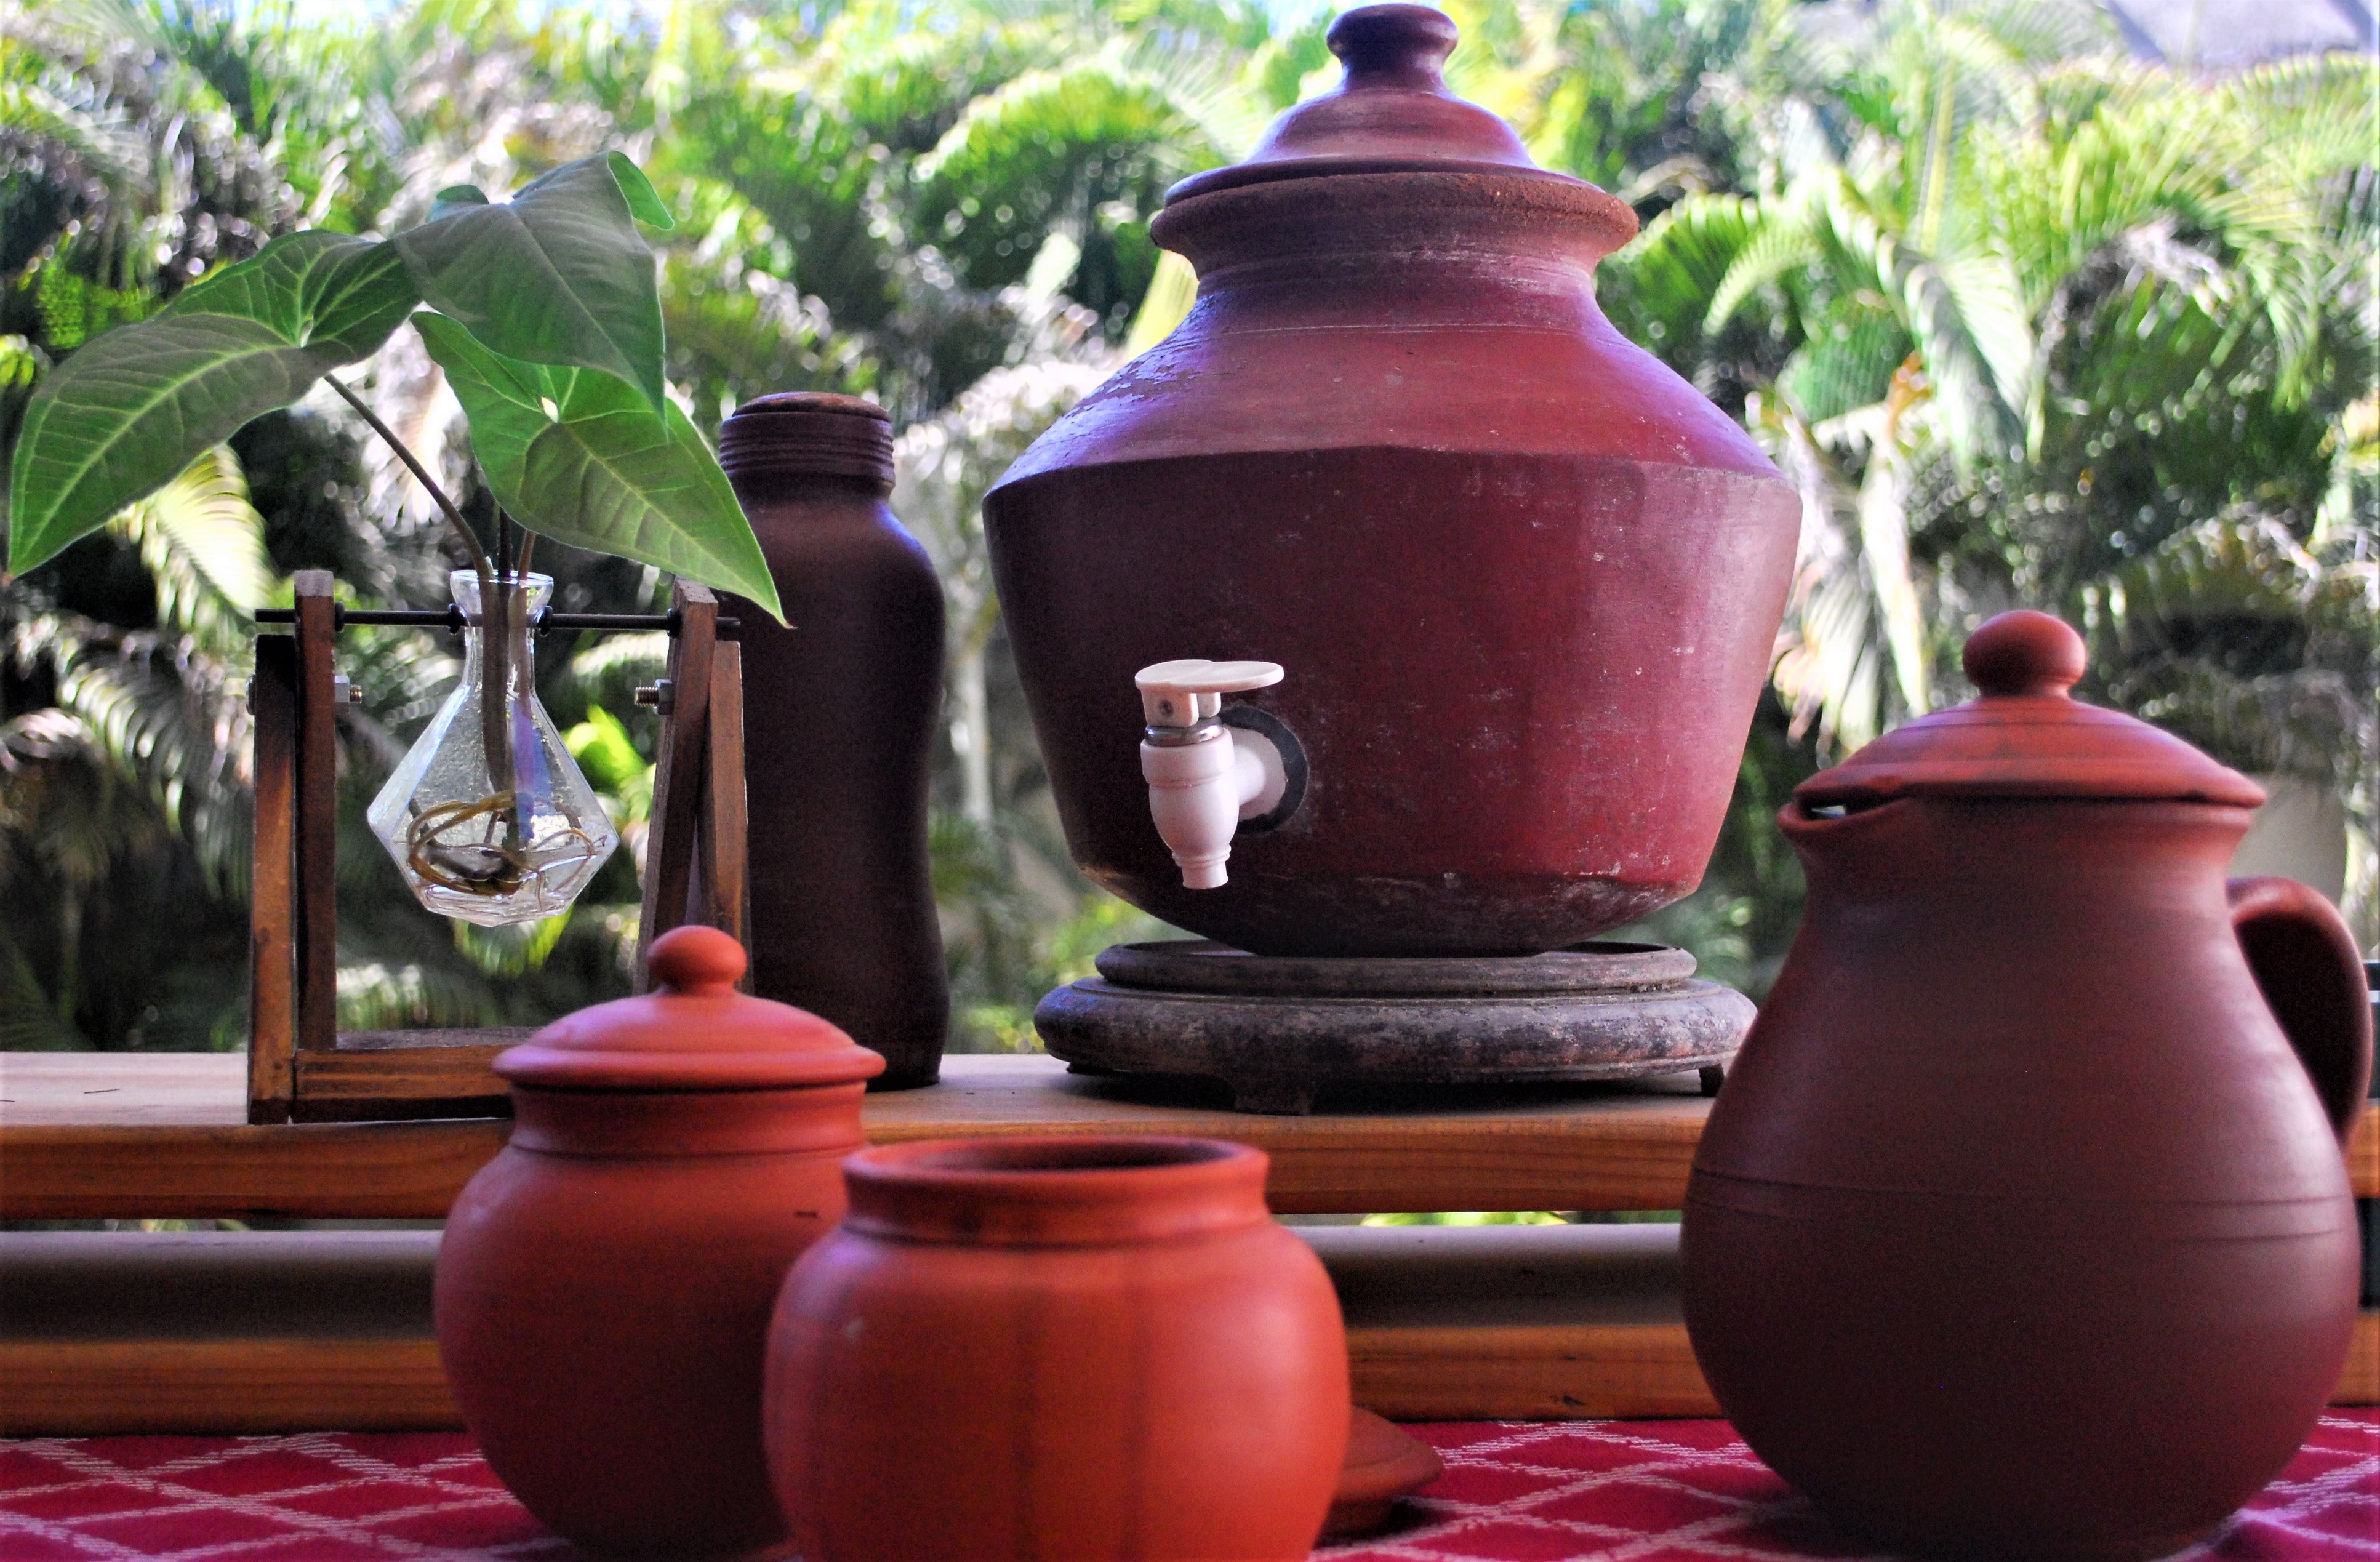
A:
(318, 816)
(301, 1068)
(272, 901)
(694, 855)
(724, 834)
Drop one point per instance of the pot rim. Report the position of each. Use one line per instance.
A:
(1056, 1189)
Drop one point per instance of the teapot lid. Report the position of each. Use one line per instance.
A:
(696, 1032)
(1391, 112)
(2023, 735)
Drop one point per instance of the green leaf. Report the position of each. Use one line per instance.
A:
(558, 275)
(644, 201)
(577, 457)
(456, 198)
(124, 415)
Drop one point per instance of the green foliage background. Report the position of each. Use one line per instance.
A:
(2026, 322)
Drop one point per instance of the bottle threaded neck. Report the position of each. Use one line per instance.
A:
(808, 433)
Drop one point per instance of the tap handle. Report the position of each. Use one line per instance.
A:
(1184, 693)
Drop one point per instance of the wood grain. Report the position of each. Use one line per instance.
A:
(725, 859)
(2359, 1384)
(88, 1135)
(317, 810)
(271, 906)
(2363, 1153)
(332, 1171)
(1443, 1323)
(670, 853)
(96, 1388)
(71, 1388)
(413, 1082)
(1545, 1372)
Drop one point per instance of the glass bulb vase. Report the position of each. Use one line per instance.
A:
(487, 816)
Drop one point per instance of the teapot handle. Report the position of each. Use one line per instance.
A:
(2307, 966)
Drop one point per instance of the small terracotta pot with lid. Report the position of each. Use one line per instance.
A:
(604, 1284)
(1020, 1348)
(2021, 1228)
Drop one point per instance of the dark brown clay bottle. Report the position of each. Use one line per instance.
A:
(840, 713)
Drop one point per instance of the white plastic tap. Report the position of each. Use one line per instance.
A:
(1204, 777)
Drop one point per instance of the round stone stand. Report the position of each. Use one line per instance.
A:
(1277, 1029)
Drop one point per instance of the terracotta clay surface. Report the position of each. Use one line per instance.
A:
(2039, 1115)
(1524, 578)
(1057, 1348)
(1384, 1462)
(842, 704)
(603, 1289)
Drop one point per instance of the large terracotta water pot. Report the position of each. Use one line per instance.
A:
(604, 1284)
(2021, 1228)
(1524, 579)
(1032, 1349)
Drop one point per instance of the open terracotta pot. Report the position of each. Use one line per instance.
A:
(1019, 1349)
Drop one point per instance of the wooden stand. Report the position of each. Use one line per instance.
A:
(301, 1068)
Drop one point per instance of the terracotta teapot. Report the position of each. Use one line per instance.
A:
(604, 1284)
(2020, 1227)
(1521, 579)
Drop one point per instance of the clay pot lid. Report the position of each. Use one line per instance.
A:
(1392, 113)
(2023, 735)
(696, 1032)
(1384, 1462)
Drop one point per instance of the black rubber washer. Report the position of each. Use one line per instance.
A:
(1256, 719)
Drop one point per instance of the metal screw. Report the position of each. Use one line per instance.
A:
(345, 693)
(662, 697)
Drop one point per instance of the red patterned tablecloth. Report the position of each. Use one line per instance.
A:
(1648, 1490)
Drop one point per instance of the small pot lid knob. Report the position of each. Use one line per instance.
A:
(2025, 654)
(695, 959)
(693, 1031)
(1391, 112)
(1394, 46)
(2025, 735)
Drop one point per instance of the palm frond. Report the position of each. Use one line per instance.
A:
(164, 716)
(203, 545)
(30, 1021)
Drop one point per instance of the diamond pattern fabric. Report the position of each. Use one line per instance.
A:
(1643, 1491)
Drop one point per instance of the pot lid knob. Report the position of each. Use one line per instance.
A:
(694, 957)
(694, 1030)
(2025, 736)
(1394, 46)
(1391, 112)
(2025, 654)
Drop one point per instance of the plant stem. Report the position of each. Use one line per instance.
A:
(496, 731)
(480, 564)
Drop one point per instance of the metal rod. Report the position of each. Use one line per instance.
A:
(545, 619)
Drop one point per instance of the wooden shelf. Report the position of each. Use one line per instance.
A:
(87, 1136)
(94, 1136)
(323, 1331)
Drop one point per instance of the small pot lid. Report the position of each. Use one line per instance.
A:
(2023, 735)
(696, 1032)
(1392, 113)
